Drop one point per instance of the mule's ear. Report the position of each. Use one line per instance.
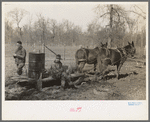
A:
(129, 43)
(132, 43)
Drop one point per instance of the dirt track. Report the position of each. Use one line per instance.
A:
(130, 86)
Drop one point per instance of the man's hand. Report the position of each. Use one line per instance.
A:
(15, 55)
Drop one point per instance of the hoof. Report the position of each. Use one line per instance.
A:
(118, 77)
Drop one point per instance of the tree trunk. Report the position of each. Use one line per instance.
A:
(111, 23)
(111, 16)
(110, 39)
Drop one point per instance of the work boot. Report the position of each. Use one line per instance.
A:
(79, 81)
(63, 83)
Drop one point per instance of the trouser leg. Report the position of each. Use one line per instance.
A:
(19, 68)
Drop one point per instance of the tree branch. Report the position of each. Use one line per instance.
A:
(140, 9)
(104, 14)
(144, 17)
(117, 13)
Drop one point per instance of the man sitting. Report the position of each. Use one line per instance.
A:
(58, 76)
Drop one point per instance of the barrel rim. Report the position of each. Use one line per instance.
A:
(35, 53)
(36, 61)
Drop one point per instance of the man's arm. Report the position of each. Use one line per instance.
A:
(15, 54)
(23, 54)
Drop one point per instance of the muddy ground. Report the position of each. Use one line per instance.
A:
(130, 86)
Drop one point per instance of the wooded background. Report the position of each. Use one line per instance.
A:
(122, 26)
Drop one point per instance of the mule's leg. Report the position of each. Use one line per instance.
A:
(77, 65)
(81, 66)
(95, 66)
(101, 68)
(104, 67)
(118, 70)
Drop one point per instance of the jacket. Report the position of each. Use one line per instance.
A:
(20, 55)
(56, 70)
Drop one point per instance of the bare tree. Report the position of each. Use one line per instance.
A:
(30, 27)
(139, 21)
(41, 27)
(53, 27)
(67, 25)
(135, 9)
(8, 31)
(115, 16)
(17, 15)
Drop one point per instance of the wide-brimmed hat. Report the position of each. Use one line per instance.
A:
(58, 57)
(19, 42)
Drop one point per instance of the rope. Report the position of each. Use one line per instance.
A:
(85, 55)
(50, 50)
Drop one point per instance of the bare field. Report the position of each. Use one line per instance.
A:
(131, 85)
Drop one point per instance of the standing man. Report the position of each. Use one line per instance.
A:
(20, 57)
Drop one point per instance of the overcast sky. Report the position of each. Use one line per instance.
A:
(80, 13)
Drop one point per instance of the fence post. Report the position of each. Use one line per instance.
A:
(34, 50)
(43, 48)
(64, 51)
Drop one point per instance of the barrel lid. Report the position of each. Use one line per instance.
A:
(35, 53)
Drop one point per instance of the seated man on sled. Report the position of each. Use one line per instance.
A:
(58, 76)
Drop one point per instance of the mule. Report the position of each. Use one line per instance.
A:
(114, 57)
(89, 56)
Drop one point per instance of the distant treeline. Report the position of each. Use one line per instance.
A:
(120, 28)
(53, 33)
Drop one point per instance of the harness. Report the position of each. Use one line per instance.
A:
(83, 60)
(123, 55)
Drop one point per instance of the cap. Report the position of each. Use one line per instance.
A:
(58, 57)
(19, 42)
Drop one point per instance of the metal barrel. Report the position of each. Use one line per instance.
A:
(36, 64)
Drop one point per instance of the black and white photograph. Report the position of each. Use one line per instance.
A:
(75, 52)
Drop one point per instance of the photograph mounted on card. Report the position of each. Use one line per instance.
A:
(75, 51)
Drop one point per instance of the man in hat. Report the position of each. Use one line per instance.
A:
(55, 71)
(57, 75)
(20, 57)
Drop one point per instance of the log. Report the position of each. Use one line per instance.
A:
(39, 83)
(19, 78)
(77, 75)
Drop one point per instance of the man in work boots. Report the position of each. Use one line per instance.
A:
(20, 57)
(57, 75)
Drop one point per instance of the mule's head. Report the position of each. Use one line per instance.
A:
(104, 45)
(130, 49)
